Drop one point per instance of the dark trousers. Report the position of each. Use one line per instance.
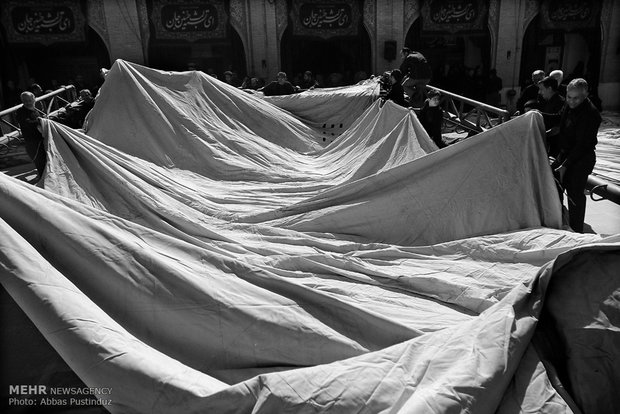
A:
(36, 151)
(574, 182)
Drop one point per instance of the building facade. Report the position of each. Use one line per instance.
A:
(341, 41)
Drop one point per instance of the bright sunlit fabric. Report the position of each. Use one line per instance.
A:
(200, 249)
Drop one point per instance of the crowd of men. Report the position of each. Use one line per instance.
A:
(301, 80)
(571, 122)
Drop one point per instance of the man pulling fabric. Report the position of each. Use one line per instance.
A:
(417, 74)
(28, 120)
(579, 122)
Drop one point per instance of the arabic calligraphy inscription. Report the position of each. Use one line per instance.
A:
(570, 11)
(38, 21)
(450, 12)
(319, 16)
(198, 18)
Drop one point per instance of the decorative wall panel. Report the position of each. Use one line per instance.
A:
(28, 21)
(325, 19)
(454, 15)
(189, 20)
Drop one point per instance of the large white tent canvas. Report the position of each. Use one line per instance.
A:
(200, 249)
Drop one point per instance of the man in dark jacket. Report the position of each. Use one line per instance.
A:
(578, 128)
(73, 114)
(530, 92)
(552, 101)
(396, 93)
(431, 117)
(417, 74)
(280, 86)
(28, 119)
(552, 104)
(308, 82)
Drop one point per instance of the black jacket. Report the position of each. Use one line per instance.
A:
(578, 131)
(530, 93)
(274, 88)
(416, 67)
(552, 107)
(431, 119)
(397, 94)
(28, 121)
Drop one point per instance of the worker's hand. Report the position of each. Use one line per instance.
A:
(553, 131)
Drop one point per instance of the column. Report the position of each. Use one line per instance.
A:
(263, 57)
(514, 17)
(609, 81)
(123, 30)
(389, 26)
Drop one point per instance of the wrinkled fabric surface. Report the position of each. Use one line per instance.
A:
(201, 250)
(316, 107)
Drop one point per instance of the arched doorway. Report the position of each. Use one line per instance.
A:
(455, 39)
(69, 53)
(559, 38)
(67, 63)
(211, 45)
(336, 54)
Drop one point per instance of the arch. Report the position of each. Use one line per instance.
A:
(493, 27)
(9, 78)
(412, 14)
(8, 66)
(239, 23)
(453, 55)
(186, 51)
(58, 64)
(348, 55)
(531, 54)
(282, 7)
(103, 36)
(527, 21)
(235, 57)
(607, 40)
(369, 20)
(96, 21)
(549, 47)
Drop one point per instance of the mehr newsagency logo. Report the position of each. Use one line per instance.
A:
(43, 395)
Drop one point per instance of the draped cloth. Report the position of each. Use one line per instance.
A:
(200, 249)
